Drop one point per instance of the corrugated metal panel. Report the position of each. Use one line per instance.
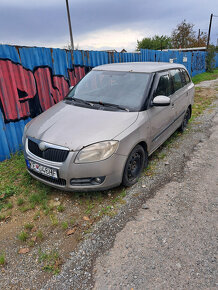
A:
(216, 60)
(32, 79)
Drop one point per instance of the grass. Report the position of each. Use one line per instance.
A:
(205, 77)
(50, 260)
(20, 201)
(23, 236)
(201, 102)
(39, 235)
(2, 259)
(28, 226)
(64, 225)
(60, 208)
(53, 219)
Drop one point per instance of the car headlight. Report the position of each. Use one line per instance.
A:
(24, 132)
(97, 152)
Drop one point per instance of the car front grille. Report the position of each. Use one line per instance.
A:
(58, 181)
(51, 154)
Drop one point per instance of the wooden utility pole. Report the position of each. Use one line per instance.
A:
(208, 37)
(199, 33)
(70, 30)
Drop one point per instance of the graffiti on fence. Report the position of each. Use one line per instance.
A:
(198, 62)
(25, 93)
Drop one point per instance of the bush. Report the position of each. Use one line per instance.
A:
(210, 58)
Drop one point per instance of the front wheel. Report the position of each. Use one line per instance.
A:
(185, 120)
(135, 163)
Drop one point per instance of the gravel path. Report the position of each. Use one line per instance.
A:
(173, 243)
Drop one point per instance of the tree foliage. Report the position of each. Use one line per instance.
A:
(156, 42)
(210, 58)
(184, 36)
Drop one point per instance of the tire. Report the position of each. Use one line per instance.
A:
(185, 120)
(136, 162)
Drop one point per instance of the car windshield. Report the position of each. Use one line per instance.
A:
(123, 90)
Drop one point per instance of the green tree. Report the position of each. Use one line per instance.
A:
(210, 58)
(156, 42)
(184, 36)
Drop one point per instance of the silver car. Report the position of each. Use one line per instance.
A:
(102, 133)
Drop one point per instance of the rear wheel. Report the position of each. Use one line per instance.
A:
(135, 163)
(185, 120)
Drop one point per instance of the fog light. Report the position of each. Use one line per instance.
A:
(98, 179)
(87, 181)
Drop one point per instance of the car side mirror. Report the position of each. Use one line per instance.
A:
(160, 101)
(71, 87)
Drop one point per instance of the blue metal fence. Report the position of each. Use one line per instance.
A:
(34, 78)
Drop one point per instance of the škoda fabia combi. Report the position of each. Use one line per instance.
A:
(102, 133)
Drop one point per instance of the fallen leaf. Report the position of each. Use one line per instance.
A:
(55, 203)
(85, 218)
(33, 239)
(34, 229)
(70, 232)
(24, 250)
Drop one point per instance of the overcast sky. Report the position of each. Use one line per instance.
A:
(100, 24)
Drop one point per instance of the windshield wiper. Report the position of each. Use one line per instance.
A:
(79, 101)
(111, 105)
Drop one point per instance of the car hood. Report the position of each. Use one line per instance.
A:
(75, 127)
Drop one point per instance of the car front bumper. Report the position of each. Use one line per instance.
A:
(110, 172)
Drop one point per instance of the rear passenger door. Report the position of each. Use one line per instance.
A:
(179, 97)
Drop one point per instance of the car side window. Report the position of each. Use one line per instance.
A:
(187, 78)
(176, 78)
(182, 75)
(164, 86)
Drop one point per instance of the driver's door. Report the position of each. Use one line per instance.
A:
(161, 118)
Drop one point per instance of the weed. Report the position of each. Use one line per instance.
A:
(20, 201)
(38, 198)
(60, 208)
(50, 260)
(161, 155)
(53, 220)
(2, 217)
(25, 208)
(123, 193)
(2, 259)
(72, 222)
(31, 243)
(36, 216)
(23, 236)
(105, 210)
(90, 206)
(28, 226)
(64, 225)
(39, 235)
(8, 205)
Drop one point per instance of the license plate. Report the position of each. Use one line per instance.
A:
(41, 169)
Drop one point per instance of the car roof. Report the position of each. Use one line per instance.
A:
(145, 67)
